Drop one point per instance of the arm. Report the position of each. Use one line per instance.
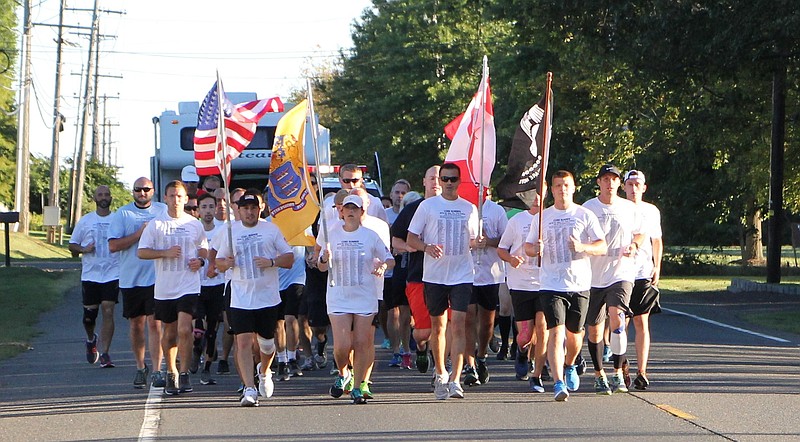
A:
(632, 248)
(658, 253)
(431, 249)
(595, 248)
(118, 244)
(148, 253)
(399, 245)
(77, 249)
(506, 256)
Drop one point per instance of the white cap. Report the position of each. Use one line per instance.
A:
(189, 175)
(353, 199)
(634, 175)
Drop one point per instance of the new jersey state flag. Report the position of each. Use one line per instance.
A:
(292, 206)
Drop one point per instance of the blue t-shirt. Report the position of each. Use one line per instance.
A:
(297, 273)
(134, 272)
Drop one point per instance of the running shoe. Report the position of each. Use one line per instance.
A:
(348, 387)
(358, 396)
(456, 391)
(283, 372)
(572, 378)
(171, 388)
(294, 368)
(536, 384)
(470, 376)
(512, 353)
(250, 397)
(205, 377)
(158, 379)
(105, 361)
(91, 351)
(482, 369)
(441, 388)
(396, 360)
(337, 389)
(641, 382)
(546, 373)
(626, 374)
(423, 363)
(386, 344)
(606, 353)
(406, 363)
(223, 367)
(502, 355)
(560, 393)
(140, 380)
(185, 383)
(321, 361)
(601, 386)
(618, 384)
(521, 367)
(265, 384)
(494, 344)
(240, 390)
(364, 387)
(334, 370)
(197, 354)
(580, 365)
(308, 364)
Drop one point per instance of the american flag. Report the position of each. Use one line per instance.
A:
(241, 121)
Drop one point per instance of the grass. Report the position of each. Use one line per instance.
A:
(33, 247)
(26, 293)
(788, 321)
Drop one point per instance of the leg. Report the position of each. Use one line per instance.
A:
(185, 340)
(154, 332)
(437, 342)
(555, 352)
(642, 325)
(169, 345)
(459, 343)
(363, 345)
(137, 336)
(244, 358)
(342, 340)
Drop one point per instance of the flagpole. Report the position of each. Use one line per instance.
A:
(317, 156)
(484, 82)
(545, 147)
(224, 166)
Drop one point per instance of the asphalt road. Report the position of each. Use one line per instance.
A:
(709, 382)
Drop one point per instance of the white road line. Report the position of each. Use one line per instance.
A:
(720, 324)
(152, 415)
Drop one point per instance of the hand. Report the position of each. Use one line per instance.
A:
(576, 245)
(435, 251)
(195, 264)
(325, 257)
(630, 250)
(517, 261)
(480, 242)
(172, 252)
(89, 248)
(379, 268)
(211, 270)
(263, 263)
(228, 263)
(656, 277)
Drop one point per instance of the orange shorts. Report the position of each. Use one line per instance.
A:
(416, 301)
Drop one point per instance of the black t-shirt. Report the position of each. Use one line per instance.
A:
(400, 230)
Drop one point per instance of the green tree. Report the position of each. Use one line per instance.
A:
(8, 123)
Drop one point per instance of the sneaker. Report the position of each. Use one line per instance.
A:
(618, 384)
(423, 363)
(205, 377)
(580, 365)
(502, 355)
(197, 354)
(105, 361)
(140, 380)
(546, 374)
(91, 351)
(308, 364)
(241, 389)
(470, 376)
(364, 387)
(396, 360)
(560, 391)
(358, 396)
(406, 363)
(483, 371)
(222, 367)
(265, 385)
(250, 397)
(641, 382)
(321, 361)
(606, 353)
(572, 378)
(334, 371)
(494, 345)
(171, 387)
(441, 388)
(294, 368)
(158, 380)
(348, 387)
(386, 344)
(283, 372)
(601, 386)
(456, 391)
(536, 385)
(626, 374)
(185, 383)
(337, 389)
(512, 353)
(521, 367)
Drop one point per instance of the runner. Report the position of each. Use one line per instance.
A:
(291, 283)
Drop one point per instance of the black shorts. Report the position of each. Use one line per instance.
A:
(645, 298)
(167, 309)
(290, 300)
(526, 304)
(394, 292)
(211, 303)
(565, 308)
(138, 301)
(438, 297)
(95, 293)
(316, 304)
(617, 295)
(486, 296)
(261, 321)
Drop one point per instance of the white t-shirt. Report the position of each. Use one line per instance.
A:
(99, 265)
(620, 221)
(651, 227)
(353, 257)
(375, 209)
(562, 270)
(450, 225)
(205, 281)
(489, 268)
(173, 277)
(252, 287)
(134, 272)
(216, 243)
(526, 276)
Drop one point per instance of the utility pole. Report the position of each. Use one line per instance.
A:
(106, 145)
(23, 184)
(58, 119)
(95, 108)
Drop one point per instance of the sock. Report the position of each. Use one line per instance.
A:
(282, 356)
(618, 360)
(291, 355)
(321, 346)
(504, 323)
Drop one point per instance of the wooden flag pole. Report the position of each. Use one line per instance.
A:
(224, 166)
(546, 129)
(317, 156)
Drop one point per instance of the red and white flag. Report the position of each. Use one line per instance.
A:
(469, 137)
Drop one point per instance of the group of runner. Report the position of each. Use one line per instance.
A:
(440, 277)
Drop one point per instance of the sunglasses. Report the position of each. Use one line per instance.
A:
(449, 179)
(351, 180)
(142, 189)
(190, 208)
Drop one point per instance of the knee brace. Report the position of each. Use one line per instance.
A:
(90, 316)
(267, 346)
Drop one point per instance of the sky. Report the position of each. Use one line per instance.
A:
(169, 51)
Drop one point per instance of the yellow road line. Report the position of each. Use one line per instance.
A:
(676, 412)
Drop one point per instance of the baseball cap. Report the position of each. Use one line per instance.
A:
(189, 175)
(247, 199)
(609, 168)
(353, 199)
(634, 175)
